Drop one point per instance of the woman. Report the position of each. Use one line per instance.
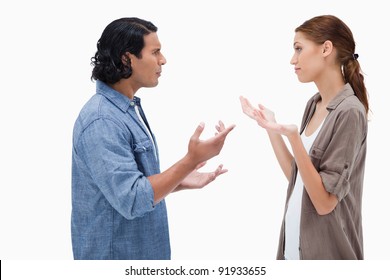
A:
(325, 170)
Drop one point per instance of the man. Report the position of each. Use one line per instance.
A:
(118, 207)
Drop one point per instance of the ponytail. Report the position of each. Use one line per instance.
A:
(353, 76)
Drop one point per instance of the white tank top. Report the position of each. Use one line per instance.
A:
(293, 214)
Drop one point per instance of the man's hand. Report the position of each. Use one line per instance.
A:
(202, 150)
(184, 174)
(198, 180)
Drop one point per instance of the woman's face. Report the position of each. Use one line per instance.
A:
(308, 58)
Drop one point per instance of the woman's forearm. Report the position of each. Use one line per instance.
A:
(282, 153)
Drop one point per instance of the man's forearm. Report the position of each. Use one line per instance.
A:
(167, 181)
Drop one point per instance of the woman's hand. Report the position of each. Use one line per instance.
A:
(250, 110)
(266, 118)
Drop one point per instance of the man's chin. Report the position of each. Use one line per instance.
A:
(151, 85)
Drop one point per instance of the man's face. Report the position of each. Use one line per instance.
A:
(148, 68)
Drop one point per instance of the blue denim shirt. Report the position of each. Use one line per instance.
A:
(113, 216)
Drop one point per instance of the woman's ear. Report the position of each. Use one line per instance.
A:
(327, 48)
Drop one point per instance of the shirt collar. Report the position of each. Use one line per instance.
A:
(117, 98)
(343, 94)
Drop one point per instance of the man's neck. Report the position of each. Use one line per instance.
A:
(123, 86)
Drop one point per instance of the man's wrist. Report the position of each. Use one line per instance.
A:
(189, 163)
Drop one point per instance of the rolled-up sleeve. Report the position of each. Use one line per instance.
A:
(339, 158)
(105, 148)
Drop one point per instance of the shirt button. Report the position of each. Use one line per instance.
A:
(132, 103)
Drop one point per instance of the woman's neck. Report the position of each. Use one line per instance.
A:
(330, 86)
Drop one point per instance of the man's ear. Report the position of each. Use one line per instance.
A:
(327, 48)
(126, 60)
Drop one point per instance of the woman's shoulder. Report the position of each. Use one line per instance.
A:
(351, 104)
(346, 100)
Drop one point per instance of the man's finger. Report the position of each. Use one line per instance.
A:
(221, 125)
(198, 130)
(226, 131)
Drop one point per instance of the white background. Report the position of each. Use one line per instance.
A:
(216, 51)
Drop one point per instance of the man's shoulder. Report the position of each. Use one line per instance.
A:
(90, 110)
(98, 112)
(97, 107)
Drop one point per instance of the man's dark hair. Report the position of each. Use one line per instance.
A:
(120, 36)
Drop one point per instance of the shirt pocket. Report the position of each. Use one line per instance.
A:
(145, 157)
(143, 146)
(316, 155)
